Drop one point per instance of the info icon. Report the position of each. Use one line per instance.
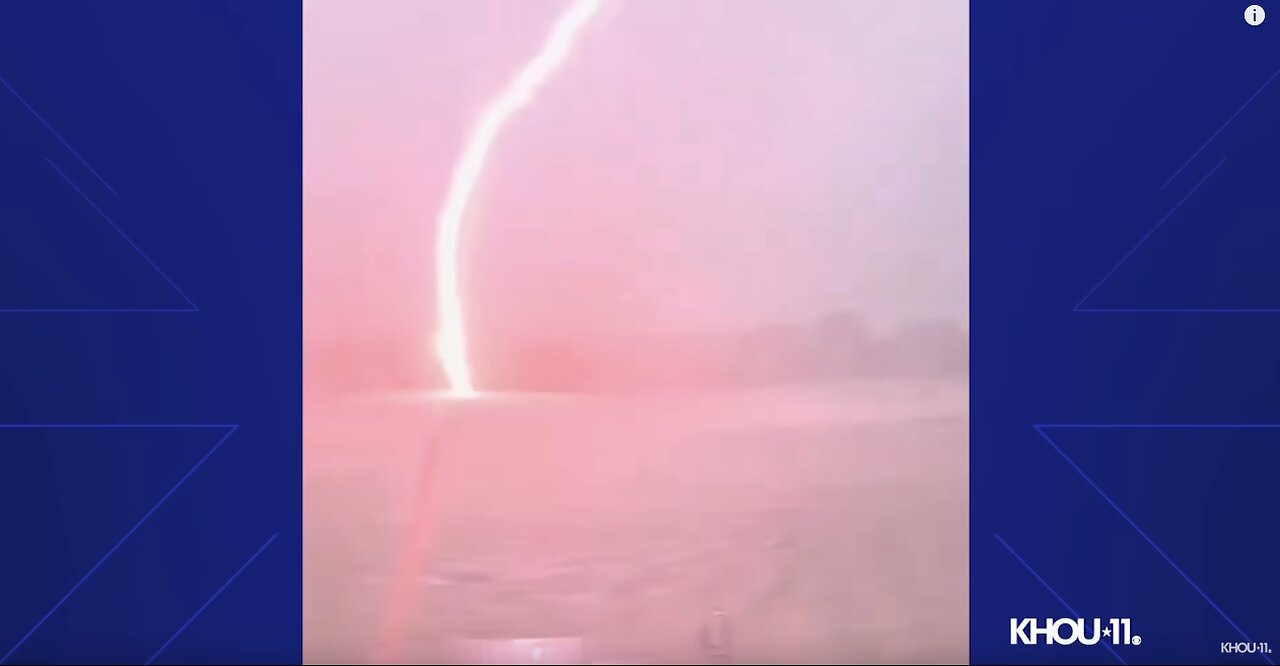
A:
(1255, 15)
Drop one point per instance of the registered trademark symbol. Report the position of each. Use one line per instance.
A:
(1136, 640)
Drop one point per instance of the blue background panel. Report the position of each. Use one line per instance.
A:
(1125, 319)
(150, 332)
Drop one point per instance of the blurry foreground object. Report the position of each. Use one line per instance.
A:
(716, 637)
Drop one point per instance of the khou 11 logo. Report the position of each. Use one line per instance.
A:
(1070, 631)
(1255, 15)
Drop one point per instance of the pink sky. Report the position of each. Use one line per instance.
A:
(695, 163)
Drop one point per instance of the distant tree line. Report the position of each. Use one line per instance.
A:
(841, 346)
(837, 347)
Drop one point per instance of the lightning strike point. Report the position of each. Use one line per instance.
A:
(451, 340)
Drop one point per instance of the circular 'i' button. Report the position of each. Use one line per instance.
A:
(1255, 15)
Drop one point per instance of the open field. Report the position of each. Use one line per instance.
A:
(829, 523)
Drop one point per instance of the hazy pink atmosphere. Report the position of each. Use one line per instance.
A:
(715, 285)
(694, 165)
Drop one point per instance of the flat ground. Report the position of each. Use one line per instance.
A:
(829, 523)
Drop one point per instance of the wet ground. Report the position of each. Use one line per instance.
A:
(827, 524)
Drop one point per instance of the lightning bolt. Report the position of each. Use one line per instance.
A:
(451, 339)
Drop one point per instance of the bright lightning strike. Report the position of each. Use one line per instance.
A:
(451, 340)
